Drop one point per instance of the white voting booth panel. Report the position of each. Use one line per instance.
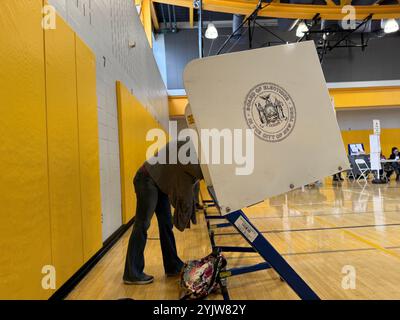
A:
(280, 93)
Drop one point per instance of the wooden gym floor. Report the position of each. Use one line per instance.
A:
(323, 232)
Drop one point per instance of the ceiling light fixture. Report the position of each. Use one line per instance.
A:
(211, 32)
(301, 30)
(391, 26)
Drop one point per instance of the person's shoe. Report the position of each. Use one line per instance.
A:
(143, 279)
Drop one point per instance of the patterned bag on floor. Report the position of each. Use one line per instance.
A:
(200, 277)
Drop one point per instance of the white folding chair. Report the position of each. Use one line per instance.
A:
(363, 168)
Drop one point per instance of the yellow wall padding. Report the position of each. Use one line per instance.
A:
(177, 105)
(145, 17)
(25, 245)
(365, 97)
(49, 152)
(344, 98)
(389, 138)
(88, 149)
(134, 123)
(63, 151)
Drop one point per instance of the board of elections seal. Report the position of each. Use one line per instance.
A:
(270, 111)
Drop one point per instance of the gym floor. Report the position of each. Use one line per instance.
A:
(342, 238)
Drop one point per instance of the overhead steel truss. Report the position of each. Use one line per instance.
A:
(275, 9)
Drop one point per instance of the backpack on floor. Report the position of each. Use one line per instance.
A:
(200, 277)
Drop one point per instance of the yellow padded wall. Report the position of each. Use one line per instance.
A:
(63, 151)
(88, 149)
(389, 138)
(365, 97)
(25, 245)
(128, 144)
(134, 123)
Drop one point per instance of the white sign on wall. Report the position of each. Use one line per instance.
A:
(377, 127)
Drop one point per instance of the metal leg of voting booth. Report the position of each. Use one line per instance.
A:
(259, 244)
(272, 257)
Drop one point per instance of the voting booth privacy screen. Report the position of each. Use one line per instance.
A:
(281, 95)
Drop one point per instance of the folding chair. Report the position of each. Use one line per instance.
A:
(350, 174)
(363, 168)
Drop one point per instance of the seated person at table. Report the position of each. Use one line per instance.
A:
(386, 168)
(395, 165)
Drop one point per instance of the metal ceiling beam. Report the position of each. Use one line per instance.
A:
(154, 18)
(292, 11)
(200, 29)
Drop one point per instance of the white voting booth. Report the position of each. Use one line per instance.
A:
(281, 95)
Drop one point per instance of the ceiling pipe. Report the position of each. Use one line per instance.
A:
(174, 28)
(294, 24)
(169, 18)
(163, 16)
(200, 28)
(236, 22)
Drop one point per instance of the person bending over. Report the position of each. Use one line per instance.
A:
(157, 186)
(395, 165)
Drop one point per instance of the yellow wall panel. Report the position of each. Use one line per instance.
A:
(365, 97)
(25, 245)
(134, 123)
(62, 117)
(177, 106)
(88, 149)
(344, 98)
(122, 120)
(145, 17)
(389, 138)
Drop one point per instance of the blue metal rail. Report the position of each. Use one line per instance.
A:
(242, 270)
(258, 243)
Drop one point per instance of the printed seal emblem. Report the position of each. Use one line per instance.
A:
(270, 111)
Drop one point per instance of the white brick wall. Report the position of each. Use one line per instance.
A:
(107, 26)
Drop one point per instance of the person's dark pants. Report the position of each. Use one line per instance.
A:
(337, 176)
(196, 191)
(150, 199)
(396, 168)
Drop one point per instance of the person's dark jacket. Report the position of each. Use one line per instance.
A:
(393, 156)
(177, 181)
